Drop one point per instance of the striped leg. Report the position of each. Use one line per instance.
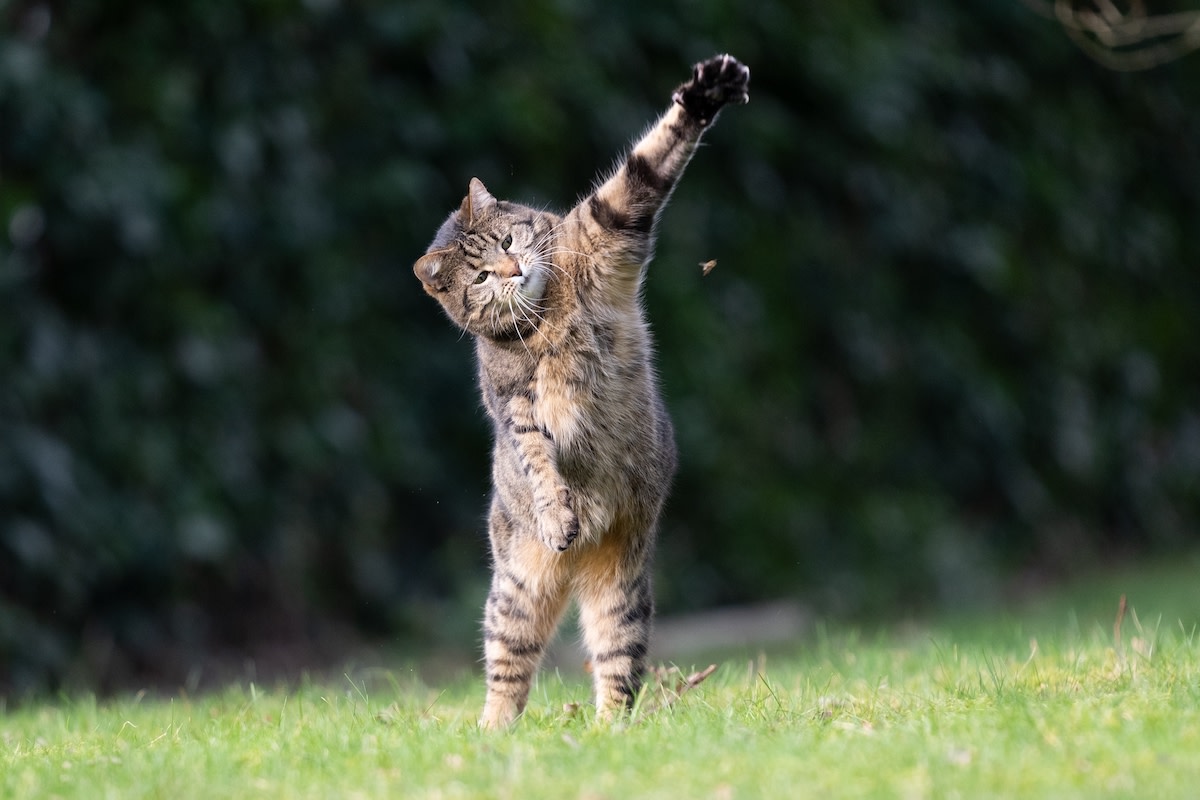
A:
(517, 625)
(616, 619)
(618, 219)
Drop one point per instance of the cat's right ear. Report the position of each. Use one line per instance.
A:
(478, 202)
(429, 269)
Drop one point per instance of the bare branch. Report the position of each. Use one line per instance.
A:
(1126, 41)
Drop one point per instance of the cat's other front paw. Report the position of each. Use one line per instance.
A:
(715, 83)
(557, 525)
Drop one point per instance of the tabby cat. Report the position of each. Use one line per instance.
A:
(584, 451)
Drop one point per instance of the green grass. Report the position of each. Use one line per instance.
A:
(1040, 701)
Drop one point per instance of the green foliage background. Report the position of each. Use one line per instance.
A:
(950, 335)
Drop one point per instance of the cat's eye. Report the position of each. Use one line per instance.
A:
(480, 278)
(507, 243)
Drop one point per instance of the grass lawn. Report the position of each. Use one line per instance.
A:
(1039, 701)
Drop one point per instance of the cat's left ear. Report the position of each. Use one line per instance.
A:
(476, 204)
(429, 269)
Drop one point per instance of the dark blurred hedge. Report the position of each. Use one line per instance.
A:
(950, 336)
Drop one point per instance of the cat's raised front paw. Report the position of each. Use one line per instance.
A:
(557, 525)
(716, 82)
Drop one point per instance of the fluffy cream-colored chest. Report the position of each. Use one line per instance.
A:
(568, 398)
(562, 399)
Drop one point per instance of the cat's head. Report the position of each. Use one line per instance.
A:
(488, 267)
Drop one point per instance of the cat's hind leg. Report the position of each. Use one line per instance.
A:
(518, 623)
(616, 611)
(517, 627)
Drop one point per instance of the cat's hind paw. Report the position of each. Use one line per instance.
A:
(715, 83)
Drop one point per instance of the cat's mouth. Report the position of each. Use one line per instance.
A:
(530, 284)
(517, 304)
(511, 287)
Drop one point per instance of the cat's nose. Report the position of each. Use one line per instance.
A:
(508, 267)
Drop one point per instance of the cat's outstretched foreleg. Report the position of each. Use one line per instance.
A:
(619, 217)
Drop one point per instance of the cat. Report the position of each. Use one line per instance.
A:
(583, 451)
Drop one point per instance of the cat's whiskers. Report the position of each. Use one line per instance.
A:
(517, 326)
(592, 259)
(589, 256)
(523, 312)
(535, 306)
(528, 310)
(543, 257)
(538, 311)
(547, 265)
(548, 235)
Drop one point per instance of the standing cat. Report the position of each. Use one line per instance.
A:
(584, 451)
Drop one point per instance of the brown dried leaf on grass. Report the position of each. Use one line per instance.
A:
(669, 685)
(663, 690)
(664, 675)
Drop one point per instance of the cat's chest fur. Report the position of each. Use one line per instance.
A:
(564, 402)
(585, 382)
(593, 400)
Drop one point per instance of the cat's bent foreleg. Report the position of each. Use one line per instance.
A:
(558, 525)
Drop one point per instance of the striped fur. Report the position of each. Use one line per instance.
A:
(583, 450)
